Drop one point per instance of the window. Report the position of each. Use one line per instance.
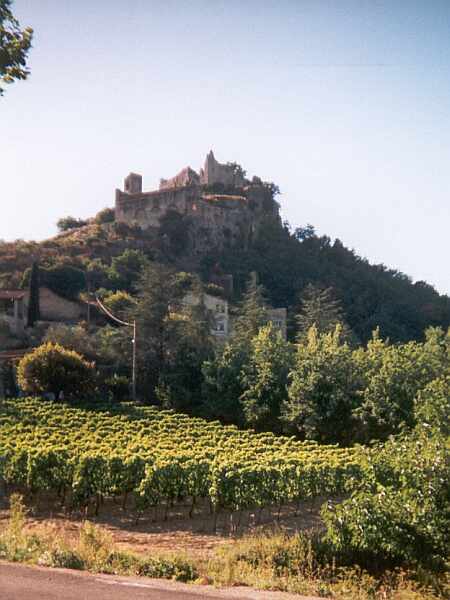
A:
(219, 326)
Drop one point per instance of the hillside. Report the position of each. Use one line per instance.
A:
(286, 261)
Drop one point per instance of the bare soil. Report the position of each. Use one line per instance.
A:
(174, 532)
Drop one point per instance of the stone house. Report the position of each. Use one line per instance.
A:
(12, 310)
(14, 307)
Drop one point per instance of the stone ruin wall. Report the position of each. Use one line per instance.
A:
(216, 220)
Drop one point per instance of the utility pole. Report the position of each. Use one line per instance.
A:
(133, 341)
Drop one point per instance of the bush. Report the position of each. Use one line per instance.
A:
(119, 304)
(119, 387)
(53, 369)
(107, 215)
(67, 223)
(398, 514)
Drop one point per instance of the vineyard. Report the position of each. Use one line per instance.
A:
(151, 459)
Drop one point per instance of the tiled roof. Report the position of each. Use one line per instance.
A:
(12, 294)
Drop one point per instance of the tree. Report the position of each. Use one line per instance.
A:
(393, 377)
(264, 379)
(174, 230)
(127, 268)
(323, 389)
(432, 405)
(252, 311)
(34, 313)
(159, 321)
(67, 223)
(119, 303)
(320, 308)
(50, 368)
(65, 280)
(107, 215)
(181, 381)
(223, 385)
(14, 46)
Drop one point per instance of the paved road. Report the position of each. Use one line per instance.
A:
(19, 582)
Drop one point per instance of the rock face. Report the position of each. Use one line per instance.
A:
(218, 205)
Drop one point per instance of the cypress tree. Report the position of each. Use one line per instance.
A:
(253, 313)
(33, 301)
(319, 307)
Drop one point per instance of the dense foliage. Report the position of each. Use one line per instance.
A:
(51, 369)
(160, 457)
(371, 295)
(260, 379)
(287, 262)
(399, 509)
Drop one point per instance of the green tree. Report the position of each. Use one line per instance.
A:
(432, 405)
(107, 215)
(53, 369)
(393, 376)
(159, 320)
(174, 232)
(398, 512)
(34, 313)
(181, 381)
(323, 389)
(120, 304)
(223, 385)
(264, 379)
(64, 279)
(127, 268)
(319, 307)
(67, 223)
(252, 311)
(14, 46)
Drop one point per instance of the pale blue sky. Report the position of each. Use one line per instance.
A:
(345, 104)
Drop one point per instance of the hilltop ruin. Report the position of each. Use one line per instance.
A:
(218, 205)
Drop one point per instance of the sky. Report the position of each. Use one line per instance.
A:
(345, 104)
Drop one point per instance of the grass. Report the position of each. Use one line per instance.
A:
(292, 563)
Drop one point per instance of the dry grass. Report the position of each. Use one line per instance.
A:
(276, 561)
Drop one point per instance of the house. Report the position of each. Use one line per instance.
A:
(53, 307)
(12, 310)
(218, 308)
(222, 323)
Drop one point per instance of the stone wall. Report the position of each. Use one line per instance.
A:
(215, 220)
(215, 172)
(186, 177)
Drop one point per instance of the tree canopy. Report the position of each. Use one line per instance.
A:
(15, 44)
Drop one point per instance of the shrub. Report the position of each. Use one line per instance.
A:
(119, 387)
(95, 546)
(398, 513)
(61, 558)
(120, 304)
(53, 369)
(66, 223)
(107, 215)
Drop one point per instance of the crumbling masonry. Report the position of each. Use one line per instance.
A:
(221, 207)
